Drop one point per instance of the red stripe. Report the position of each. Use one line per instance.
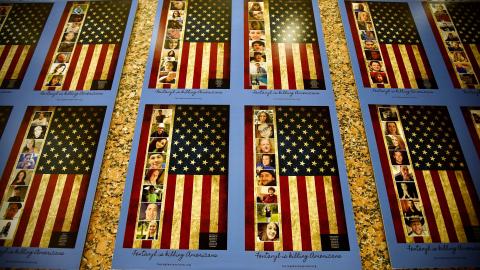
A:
(427, 207)
(388, 66)
(249, 183)
(303, 213)
(186, 212)
(77, 214)
(168, 211)
(158, 46)
(268, 246)
(27, 210)
(212, 70)
(339, 210)
(416, 70)
(471, 128)
(321, 205)
(25, 64)
(12, 159)
(277, 82)
(63, 205)
(85, 67)
(147, 244)
(290, 67)
(113, 63)
(246, 48)
(53, 47)
(473, 60)
(472, 192)
(226, 61)
(387, 176)
(223, 204)
(442, 201)
(137, 179)
(401, 66)
(205, 212)
(318, 61)
(197, 71)
(72, 67)
(457, 194)
(182, 79)
(426, 65)
(14, 62)
(286, 215)
(101, 62)
(358, 46)
(304, 61)
(44, 208)
(4, 54)
(442, 47)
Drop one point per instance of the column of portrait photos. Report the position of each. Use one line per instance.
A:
(172, 44)
(460, 56)
(21, 177)
(408, 198)
(154, 172)
(60, 63)
(257, 21)
(267, 191)
(472, 117)
(369, 46)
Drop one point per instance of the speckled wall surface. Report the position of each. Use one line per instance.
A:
(106, 210)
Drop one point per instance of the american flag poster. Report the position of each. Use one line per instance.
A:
(48, 172)
(85, 49)
(388, 47)
(179, 194)
(456, 27)
(281, 46)
(293, 198)
(192, 48)
(431, 193)
(21, 25)
(472, 118)
(4, 115)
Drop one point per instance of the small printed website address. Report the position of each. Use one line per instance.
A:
(298, 266)
(175, 264)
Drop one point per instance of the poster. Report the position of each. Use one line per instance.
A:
(21, 25)
(54, 140)
(416, 119)
(200, 212)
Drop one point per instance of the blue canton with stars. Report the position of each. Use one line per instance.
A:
(105, 22)
(72, 140)
(431, 138)
(305, 141)
(200, 140)
(208, 21)
(466, 17)
(292, 21)
(24, 23)
(394, 23)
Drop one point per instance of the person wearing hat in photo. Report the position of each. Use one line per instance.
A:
(160, 132)
(416, 225)
(267, 178)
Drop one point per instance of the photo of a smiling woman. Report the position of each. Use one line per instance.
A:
(268, 231)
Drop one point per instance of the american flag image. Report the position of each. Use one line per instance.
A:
(202, 57)
(456, 28)
(56, 187)
(291, 49)
(194, 206)
(311, 212)
(443, 183)
(4, 115)
(388, 46)
(472, 117)
(84, 52)
(21, 25)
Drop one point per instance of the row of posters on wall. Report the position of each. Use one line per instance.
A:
(232, 173)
